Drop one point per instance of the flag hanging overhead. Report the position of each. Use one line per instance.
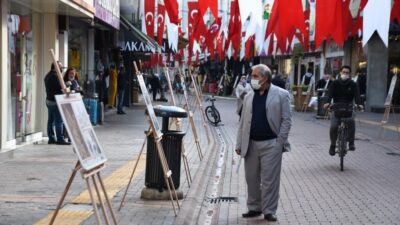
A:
(332, 20)
(376, 18)
(357, 26)
(160, 23)
(286, 18)
(205, 4)
(395, 11)
(235, 27)
(149, 11)
(172, 8)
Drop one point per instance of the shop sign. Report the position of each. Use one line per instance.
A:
(138, 46)
(86, 4)
(333, 50)
(108, 11)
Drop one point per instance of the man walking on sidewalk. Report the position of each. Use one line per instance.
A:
(262, 138)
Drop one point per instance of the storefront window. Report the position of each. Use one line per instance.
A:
(22, 62)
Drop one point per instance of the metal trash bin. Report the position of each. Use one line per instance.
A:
(172, 146)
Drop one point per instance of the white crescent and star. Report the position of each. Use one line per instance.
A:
(214, 28)
(149, 20)
(160, 19)
(192, 14)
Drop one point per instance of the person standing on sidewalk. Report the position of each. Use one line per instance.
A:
(121, 90)
(241, 90)
(54, 121)
(262, 138)
(113, 87)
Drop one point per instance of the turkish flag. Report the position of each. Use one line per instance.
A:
(286, 17)
(249, 48)
(160, 23)
(220, 47)
(395, 11)
(333, 19)
(149, 10)
(193, 17)
(358, 24)
(235, 27)
(172, 8)
(211, 35)
(212, 4)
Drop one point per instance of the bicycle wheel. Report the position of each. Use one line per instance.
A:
(217, 117)
(342, 146)
(210, 114)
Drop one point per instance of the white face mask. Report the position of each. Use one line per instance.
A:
(255, 84)
(344, 76)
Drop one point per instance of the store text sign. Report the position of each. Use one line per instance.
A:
(108, 11)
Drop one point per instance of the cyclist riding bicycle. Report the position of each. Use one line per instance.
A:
(343, 91)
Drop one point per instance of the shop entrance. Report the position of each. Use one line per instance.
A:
(21, 69)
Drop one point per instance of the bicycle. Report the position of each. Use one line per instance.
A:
(212, 113)
(343, 112)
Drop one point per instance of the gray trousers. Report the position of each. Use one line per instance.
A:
(262, 165)
(333, 131)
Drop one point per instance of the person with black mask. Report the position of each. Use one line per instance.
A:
(343, 91)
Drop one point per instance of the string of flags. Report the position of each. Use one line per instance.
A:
(243, 29)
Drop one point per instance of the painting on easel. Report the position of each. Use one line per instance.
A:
(80, 130)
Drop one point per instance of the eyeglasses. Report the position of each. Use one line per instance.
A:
(345, 72)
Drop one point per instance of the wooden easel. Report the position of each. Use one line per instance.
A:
(155, 131)
(88, 175)
(178, 125)
(191, 121)
(306, 101)
(389, 108)
(200, 106)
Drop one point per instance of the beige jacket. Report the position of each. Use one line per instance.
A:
(278, 115)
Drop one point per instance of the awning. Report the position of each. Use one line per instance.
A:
(138, 36)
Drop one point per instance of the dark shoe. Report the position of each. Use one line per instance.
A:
(62, 143)
(51, 142)
(270, 217)
(332, 150)
(121, 112)
(251, 213)
(352, 147)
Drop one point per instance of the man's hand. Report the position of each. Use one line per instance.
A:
(238, 151)
(360, 108)
(326, 105)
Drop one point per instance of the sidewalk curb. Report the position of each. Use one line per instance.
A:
(195, 196)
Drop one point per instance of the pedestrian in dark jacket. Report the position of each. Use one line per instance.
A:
(121, 82)
(54, 121)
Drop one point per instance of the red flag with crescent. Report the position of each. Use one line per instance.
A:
(358, 24)
(160, 23)
(172, 8)
(395, 14)
(286, 17)
(212, 4)
(235, 27)
(332, 19)
(149, 10)
(211, 36)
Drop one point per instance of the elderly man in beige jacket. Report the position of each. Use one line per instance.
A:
(262, 138)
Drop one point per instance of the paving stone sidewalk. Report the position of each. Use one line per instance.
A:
(313, 190)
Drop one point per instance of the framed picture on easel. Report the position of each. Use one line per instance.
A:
(150, 109)
(80, 130)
